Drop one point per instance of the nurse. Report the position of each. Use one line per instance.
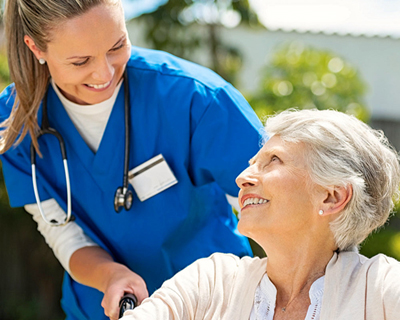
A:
(75, 53)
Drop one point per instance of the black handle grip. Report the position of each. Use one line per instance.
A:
(127, 302)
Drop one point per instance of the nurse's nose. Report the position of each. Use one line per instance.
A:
(104, 71)
(247, 178)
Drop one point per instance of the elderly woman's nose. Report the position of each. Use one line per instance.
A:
(246, 179)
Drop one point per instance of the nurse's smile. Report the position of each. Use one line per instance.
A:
(98, 87)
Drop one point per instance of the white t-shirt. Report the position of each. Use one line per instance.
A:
(89, 120)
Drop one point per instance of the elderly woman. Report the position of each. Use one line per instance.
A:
(320, 185)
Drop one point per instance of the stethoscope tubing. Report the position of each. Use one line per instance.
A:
(123, 196)
(127, 126)
(47, 130)
(53, 222)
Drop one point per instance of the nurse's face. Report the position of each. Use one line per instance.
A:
(86, 55)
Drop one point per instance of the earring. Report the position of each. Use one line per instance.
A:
(321, 212)
(42, 61)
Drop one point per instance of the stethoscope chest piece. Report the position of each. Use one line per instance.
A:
(123, 198)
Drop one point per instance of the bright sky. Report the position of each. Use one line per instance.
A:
(371, 17)
(134, 8)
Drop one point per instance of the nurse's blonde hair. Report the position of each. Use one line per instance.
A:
(36, 19)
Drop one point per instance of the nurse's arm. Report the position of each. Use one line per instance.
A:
(94, 267)
(69, 242)
(63, 240)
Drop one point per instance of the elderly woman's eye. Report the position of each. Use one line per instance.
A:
(272, 159)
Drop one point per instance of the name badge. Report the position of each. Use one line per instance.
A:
(151, 177)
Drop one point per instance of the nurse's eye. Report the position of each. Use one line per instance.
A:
(119, 47)
(81, 63)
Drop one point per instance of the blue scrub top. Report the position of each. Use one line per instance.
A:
(206, 132)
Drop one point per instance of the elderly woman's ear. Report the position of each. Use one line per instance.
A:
(336, 199)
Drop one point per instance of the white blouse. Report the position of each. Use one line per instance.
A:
(265, 298)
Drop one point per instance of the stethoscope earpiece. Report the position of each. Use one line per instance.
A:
(55, 223)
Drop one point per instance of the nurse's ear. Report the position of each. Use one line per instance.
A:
(32, 46)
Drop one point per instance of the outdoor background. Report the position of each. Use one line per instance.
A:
(341, 54)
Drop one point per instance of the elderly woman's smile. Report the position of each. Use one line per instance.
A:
(248, 200)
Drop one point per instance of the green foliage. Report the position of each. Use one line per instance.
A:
(304, 77)
(182, 27)
(4, 72)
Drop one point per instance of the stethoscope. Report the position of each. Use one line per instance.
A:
(123, 196)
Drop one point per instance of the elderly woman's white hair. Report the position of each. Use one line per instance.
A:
(342, 150)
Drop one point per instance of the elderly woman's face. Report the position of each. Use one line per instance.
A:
(276, 193)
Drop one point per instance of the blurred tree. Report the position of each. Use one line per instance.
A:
(173, 27)
(304, 77)
(4, 73)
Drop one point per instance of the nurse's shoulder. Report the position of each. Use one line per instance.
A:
(7, 97)
(169, 65)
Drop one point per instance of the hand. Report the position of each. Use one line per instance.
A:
(121, 281)
(94, 267)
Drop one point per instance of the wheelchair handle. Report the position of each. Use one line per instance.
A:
(127, 302)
